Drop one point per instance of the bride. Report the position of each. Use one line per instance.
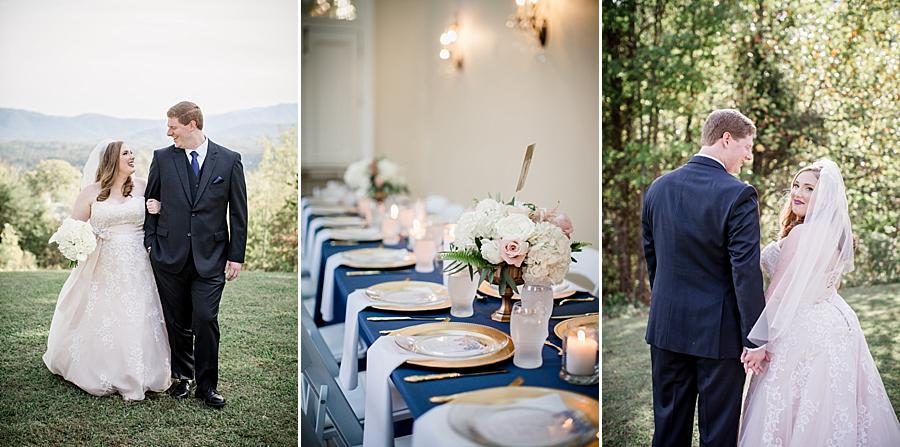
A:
(108, 334)
(822, 386)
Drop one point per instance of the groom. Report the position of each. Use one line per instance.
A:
(196, 243)
(701, 243)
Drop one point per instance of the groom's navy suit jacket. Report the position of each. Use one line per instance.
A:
(196, 222)
(701, 242)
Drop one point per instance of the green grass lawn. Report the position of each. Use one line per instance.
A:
(257, 367)
(627, 399)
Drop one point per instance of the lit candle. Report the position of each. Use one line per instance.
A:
(389, 227)
(449, 236)
(417, 231)
(581, 353)
(424, 249)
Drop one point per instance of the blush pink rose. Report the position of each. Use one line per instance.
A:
(564, 223)
(513, 251)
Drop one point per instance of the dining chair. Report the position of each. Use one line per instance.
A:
(586, 270)
(355, 397)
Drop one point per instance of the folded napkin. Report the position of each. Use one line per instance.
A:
(315, 261)
(333, 262)
(382, 358)
(433, 429)
(356, 302)
(303, 218)
(311, 229)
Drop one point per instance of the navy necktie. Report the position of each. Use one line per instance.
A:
(195, 165)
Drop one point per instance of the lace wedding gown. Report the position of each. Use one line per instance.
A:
(108, 334)
(821, 387)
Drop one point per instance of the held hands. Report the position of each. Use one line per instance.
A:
(232, 270)
(755, 360)
(154, 206)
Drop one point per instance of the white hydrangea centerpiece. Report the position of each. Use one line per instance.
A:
(376, 178)
(496, 235)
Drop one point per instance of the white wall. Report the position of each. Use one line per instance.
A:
(463, 134)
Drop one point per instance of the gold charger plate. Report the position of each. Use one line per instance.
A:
(485, 288)
(468, 362)
(392, 286)
(563, 326)
(407, 260)
(355, 234)
(504, 395)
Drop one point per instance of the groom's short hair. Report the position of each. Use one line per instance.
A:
(185, 111)
(726, 120)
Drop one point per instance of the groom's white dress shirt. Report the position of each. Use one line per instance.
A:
(700, 154)
(201, 152)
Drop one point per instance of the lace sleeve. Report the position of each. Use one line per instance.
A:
(768, 258)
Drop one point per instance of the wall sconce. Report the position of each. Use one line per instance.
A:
(531, 17)
(334, 9)
(449, 49)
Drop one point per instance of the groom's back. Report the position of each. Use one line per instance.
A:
(694, 221)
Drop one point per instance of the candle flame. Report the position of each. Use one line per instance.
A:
(581, 335)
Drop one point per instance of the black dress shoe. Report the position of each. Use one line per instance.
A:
(211, 398)
(181, 389)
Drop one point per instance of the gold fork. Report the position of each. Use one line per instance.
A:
(518, 381)
(575, 300)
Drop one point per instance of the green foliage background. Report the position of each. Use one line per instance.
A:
(819, 79)
(34, 200)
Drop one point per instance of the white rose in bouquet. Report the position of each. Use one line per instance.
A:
(514, 227)
(490, 250)
(76, 239)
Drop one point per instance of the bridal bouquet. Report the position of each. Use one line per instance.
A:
(76, 239)
(505, 236)
(376, 178)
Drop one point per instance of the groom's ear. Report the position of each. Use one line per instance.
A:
(193, 124)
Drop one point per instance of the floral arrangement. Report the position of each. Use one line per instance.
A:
(505, 235)
(376, 178)
(76, 239)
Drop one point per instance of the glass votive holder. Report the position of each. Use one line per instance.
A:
(425, 250)
(461, 288)
(390, 233)
(528, 330)
(581, 348)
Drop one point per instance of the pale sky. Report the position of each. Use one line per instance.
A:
(136, 58)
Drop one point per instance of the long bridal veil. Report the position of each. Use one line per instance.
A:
(89, 171)
(815, 255)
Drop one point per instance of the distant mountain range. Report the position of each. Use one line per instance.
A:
(240, 130)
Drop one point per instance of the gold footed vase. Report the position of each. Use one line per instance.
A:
(506, 302)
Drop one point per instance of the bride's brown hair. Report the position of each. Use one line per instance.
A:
(788, 219)
(109, 170)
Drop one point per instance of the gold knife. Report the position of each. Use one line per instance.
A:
(407, 318)
(518, 381)
(451, 375)
(362, 272)
(566, 317)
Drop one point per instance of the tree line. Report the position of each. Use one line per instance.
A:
(819, 79)
(35, 200)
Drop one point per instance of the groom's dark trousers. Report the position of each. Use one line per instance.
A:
(701, 243)
(203, 224)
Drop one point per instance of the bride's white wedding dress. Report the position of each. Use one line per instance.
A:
(108, 334)
(822, 387)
